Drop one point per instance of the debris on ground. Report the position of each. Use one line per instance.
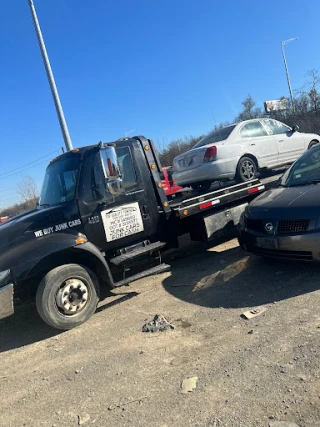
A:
(158, 324)
(189, 384)
(82, 419)
(250, 314)
(119, 405)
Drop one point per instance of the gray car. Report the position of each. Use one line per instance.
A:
(238, 151)
(285, 222)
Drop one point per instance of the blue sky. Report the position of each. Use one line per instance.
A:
(163, 68)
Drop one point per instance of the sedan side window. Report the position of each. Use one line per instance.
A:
(275, 128)
(253, 130)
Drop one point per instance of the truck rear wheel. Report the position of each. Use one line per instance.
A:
(67, 296)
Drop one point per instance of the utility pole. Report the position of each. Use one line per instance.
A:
(54, 90)
(286, 67)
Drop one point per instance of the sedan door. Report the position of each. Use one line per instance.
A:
(290, 144)
(258, 142)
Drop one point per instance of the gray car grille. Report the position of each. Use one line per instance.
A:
(293, 225)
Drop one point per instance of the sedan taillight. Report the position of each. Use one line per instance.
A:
(210, 154)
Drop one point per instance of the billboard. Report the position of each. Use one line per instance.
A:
(276, 105)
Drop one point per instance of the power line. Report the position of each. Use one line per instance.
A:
(27, 164)
(5, 191)
(23, 170)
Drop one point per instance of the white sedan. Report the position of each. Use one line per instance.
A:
(238, 151)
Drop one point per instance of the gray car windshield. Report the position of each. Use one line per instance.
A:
(60, 180)
(306, 170)
(215, 136)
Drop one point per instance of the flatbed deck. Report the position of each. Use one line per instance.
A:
(221, 194)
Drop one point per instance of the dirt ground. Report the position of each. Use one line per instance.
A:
(108, 373)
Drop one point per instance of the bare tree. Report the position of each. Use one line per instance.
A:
(249, 112)
(28, 191)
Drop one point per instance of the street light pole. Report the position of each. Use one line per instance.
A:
(54, 90)
(286, 67)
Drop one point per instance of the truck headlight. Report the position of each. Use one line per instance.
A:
(4, 274)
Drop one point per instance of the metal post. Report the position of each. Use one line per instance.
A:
(286, 67)
(57, 103)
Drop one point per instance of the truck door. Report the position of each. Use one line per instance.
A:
(113, 221)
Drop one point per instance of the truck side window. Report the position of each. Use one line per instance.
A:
(128, 173)
(70, 182)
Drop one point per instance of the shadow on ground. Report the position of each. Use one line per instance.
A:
(26, 327)
(232, 279)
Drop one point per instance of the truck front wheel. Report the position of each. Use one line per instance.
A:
(67, 296)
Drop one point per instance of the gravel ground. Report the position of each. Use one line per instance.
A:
(108, 373)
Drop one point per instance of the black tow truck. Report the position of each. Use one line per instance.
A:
(102, 214)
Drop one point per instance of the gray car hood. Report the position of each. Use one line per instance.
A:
(287, 203)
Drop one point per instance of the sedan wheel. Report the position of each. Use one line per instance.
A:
(246, 169)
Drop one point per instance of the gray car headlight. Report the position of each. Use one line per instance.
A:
(4, 274)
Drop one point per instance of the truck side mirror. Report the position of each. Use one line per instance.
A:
(111, 169)
(295, 128)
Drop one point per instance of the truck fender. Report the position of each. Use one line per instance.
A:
(64, 250)
(28, 250)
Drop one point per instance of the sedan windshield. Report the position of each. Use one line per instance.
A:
(60, 180)
(306, 170)
(215, 136)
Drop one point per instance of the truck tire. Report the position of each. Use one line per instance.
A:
(67, 296)
(246, 169)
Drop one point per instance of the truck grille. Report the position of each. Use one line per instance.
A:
(293, 226)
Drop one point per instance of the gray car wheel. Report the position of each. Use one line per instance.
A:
(313, 143)
(246, 169)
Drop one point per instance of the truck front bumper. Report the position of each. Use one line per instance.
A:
(6, 301)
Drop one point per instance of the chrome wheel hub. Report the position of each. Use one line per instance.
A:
(73, 296)
(248, 169)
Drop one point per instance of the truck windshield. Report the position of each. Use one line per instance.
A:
(60, 181)
(305, 171)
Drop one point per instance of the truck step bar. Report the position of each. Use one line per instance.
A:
(127, 257)
(162, 268)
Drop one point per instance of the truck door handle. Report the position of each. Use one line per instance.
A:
(281, 140)
(145, 211)
(252, 143)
